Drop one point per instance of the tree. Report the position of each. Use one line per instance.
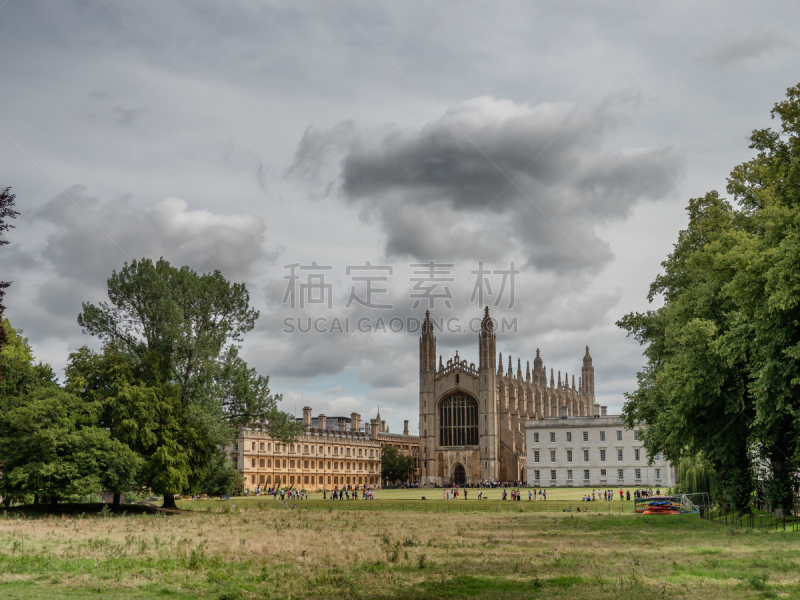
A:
(177, 330)
(722, 378)
(52, 449)
(6, 212)
(395, 466)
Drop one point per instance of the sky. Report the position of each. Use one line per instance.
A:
(533, 157)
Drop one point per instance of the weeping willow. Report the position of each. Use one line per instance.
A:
(695, 475)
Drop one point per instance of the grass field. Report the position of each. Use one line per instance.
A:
(384, 550)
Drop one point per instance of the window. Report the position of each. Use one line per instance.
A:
(658, 473)
(320, 465)
(253, 446)
(586, 474)
(253, 463)
(602, 436)
(261, 446)
(536, 437)
(620, 474)
(637, 454)
(619, 455)
(305, 464)
(585, 436)
(261, 463)
(569, 457)
(553, 474)
(569, 474)
(335, 466)
(252, 478)
(552, 456)
(636, 434)
(306, 478)
(602, 472)
(602, 456)
(458, 420)
(536, 456)
(619, 436)
(569, 436)
(638, 473)
(585, 456)
(291, 464)
(284, 466)
(236, 445)
(552, 437)
(261, 479)
(269, 463)
(536, 474)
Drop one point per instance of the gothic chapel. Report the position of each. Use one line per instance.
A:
(472, 420)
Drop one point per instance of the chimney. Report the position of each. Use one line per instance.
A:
(603, 411)
(355, 422)
(342, 424)
(366, 427)
(597, 410)
(323, 421)
(564, 412)
(307, 417)
(374, 428)
(405, 427)
(383, 426)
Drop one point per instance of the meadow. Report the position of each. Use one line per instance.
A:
(385, 549)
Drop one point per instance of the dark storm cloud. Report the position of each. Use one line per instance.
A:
(536, 177)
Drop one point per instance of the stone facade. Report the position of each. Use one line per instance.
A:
(320, 457)
(597, 451)
(472, 418)
(331, 452)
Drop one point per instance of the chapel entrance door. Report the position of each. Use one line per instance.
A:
(459, 475)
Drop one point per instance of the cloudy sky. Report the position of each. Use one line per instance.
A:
(245, 136)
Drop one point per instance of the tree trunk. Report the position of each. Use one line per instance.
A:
(169, 501)
(116, 499)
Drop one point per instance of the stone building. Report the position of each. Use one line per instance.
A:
(594, 451)
(325, 454)
(331, 452)
(471, 418)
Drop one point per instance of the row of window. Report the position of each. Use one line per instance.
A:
(637, 455)
(310, 479)
(587, 474)
(585, 436)
(306, 449)
(266, 463)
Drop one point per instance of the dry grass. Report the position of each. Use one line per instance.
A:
(366, 554)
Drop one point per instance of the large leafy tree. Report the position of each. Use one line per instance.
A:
(722, 379)
(52, 443)
(6, 212)
(178, 330)
(692, 394)
(395, 466)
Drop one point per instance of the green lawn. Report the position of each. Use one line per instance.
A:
(386, 549)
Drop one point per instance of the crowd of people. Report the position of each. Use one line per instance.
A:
(349, 492)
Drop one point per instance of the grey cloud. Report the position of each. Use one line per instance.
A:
(127, 116)
(538, 177)
(92, 238)
(335, 391)
(749, 47)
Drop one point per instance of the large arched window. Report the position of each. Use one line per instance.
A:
(458, 420)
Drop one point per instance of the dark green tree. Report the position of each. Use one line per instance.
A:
(6, 212)
(722, 378)
(395, 466)
(178, 331)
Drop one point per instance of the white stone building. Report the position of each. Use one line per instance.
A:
(593, 451)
